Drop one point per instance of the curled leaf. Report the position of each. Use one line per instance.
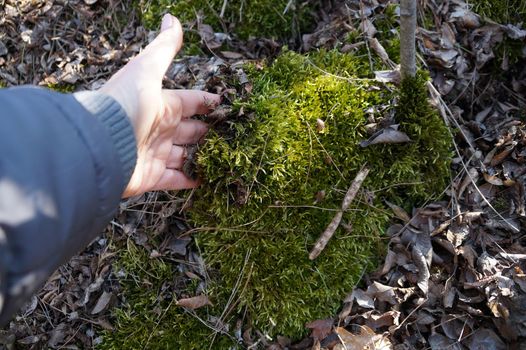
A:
(388, 76)
(320, 125)
(387, 135)
(493, 179)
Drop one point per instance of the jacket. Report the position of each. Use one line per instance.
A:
(65, 161)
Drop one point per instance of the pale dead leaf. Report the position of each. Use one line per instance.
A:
(388, 76)
(465, 17)
(368, 28)
(380, 51)
(386, 319)
(399, 212)
(102, 303)
(363, 299)
(388, 135)
(514, 32)
(231, 55)
(493, 179)
(366, 340)
(194, 302)
(320, 125)
(383, 293)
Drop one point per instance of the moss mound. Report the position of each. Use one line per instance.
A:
(264, 172)
(258, 18)
(261, 208)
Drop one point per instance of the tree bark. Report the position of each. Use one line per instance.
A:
(407, 38)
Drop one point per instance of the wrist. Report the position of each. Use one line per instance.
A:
(111, 114)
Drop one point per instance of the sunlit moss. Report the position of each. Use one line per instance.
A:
(62, 87)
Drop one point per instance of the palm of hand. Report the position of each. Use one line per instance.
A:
(160, 117)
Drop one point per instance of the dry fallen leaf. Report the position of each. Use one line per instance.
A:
(388, 76)
(387, 135)
(194, 302)
(102, 303)
(366, 340)
(380, 51)
(493, 179)
(320, 125)
(368, 28)
(399, 212)
(362, 299)
(320, 328)
(231, 55)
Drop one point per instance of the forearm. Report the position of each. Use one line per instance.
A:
(62, 172)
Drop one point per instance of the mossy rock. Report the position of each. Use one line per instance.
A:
(243, 18)
(257, 213)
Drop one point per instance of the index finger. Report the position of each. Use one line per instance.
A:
(195, 102)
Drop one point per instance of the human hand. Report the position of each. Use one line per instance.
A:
(160, 117)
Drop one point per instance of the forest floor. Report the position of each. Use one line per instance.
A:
(454, 273)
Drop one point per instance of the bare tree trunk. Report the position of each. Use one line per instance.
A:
(407, 38)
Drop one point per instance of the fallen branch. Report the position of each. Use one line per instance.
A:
(329, 231)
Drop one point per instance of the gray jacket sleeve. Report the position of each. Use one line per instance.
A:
(64, 163)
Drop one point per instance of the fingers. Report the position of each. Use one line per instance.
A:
(175, 180)
(193, 102)
(160, 52)
(189, 131)
(176, 158)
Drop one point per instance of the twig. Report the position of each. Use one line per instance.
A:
(288, 6)
(337, 76)
(349, 196)
(223, 9)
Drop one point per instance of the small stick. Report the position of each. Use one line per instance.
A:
(349, 196)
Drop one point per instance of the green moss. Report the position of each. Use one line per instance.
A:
(257, 213)
(259, 18)
(149, 318)
(263, 175)
(502, 11)
(386, 23)
(62, 87)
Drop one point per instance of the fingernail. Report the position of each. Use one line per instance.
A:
(167, 22)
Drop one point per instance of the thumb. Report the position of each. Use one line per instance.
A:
(161, 51)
